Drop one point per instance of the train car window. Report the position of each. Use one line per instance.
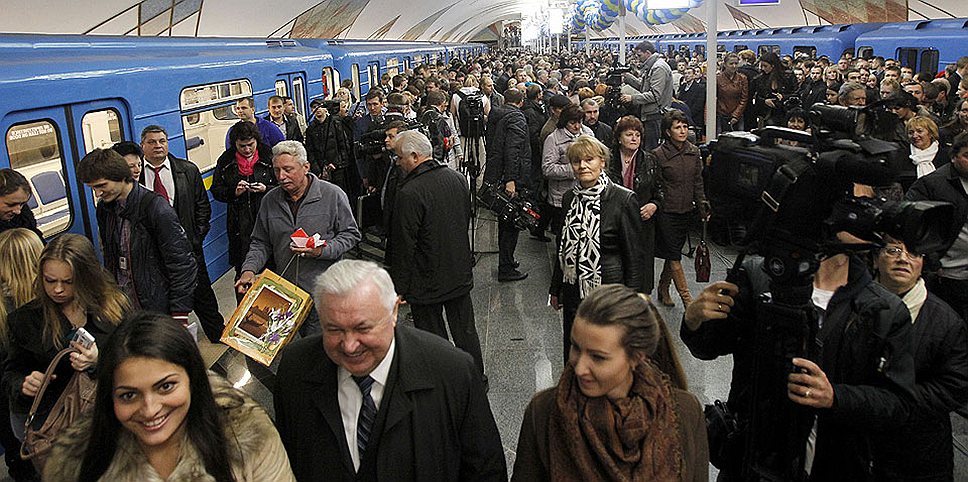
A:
(35, 152)
(762, 49)
(929, 62)
(803, 49)
(356, 81)
(865, 52)
(393, 66)
(739, 48)
(207, 114)
(907, 57)
(281, 89)
(299, 95)
(101, 129)
(212, 94)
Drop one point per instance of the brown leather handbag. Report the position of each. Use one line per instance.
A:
(703, 264)
(77, 398)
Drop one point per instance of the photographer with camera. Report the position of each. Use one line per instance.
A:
(655, 90)
(329, 145)
(508, 163)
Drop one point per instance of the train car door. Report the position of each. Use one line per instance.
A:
(293, 85)
(98, 125)
(45, 146)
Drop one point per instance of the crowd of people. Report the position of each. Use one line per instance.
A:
(619, 180)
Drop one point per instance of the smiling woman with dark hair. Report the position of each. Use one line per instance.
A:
(159, 415)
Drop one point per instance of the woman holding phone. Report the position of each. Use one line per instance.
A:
(73, 293)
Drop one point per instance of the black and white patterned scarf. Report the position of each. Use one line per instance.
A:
(581, 243)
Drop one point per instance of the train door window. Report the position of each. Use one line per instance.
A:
(356, 81)
(393, 66)
(35, 152)
(101, 129)
(907, 57)
(929, 61)
(330, 79)
(865, 52)
(406, 64)
(207, 115)
(299, 95)
(373, 73)
(281, 89)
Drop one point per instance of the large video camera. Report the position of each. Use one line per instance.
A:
(514, 209)
(470, 115)
(802, 197)
(373, 142)
(803, 193)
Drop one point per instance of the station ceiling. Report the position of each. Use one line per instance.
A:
(439, 20)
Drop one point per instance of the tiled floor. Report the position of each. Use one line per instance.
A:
(521, 340)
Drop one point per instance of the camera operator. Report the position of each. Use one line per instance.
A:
(437, 126)
(655, 91)
(508, 163)
(861, 383)
(329, 145)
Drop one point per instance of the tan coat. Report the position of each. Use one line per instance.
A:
(263, 458)
(531, 464)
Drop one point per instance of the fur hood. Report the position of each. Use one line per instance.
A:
(258, 455)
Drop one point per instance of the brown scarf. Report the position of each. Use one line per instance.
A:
(632, 439)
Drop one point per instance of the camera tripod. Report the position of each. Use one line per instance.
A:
(471, 167)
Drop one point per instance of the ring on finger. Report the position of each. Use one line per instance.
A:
(719, 307)
(807, 394)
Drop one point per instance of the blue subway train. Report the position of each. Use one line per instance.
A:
(64, 96)
(924, 45)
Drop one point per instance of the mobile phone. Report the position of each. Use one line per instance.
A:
(83, 337)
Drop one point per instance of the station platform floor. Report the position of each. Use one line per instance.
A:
(521, 339)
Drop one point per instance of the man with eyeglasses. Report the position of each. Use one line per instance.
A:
(921, 448)
(14, 194)
(949, 183)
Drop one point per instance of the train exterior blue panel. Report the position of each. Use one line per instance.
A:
(947, 37)
(52, 84)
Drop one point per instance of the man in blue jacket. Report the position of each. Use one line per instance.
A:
(143, 243)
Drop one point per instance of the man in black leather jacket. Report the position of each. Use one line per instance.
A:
(508, 163)
(143, 243)
(861, 382)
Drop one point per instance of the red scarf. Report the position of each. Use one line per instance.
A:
(246, 165)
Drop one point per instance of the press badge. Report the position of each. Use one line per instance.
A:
(123, 263)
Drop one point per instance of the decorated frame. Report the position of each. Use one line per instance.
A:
(267, 318)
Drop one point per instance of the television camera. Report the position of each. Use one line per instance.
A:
(516, 210)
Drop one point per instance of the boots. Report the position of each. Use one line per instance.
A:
(665, 279)
(682, 286)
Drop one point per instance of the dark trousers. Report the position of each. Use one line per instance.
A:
(569, 306)
(206, 304)
(952, 291)
(460, 318)
(652, 124)
(507, 242)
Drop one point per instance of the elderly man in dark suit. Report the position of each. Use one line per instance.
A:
(370, 400)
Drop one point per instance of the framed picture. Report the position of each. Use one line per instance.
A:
(269, 314)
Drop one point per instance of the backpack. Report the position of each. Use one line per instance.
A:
(470, 114)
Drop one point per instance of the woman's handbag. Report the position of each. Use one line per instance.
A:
(703, 265)
(77, 398)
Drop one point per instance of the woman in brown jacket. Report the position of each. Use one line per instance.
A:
(684, 196)
(614, 415)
